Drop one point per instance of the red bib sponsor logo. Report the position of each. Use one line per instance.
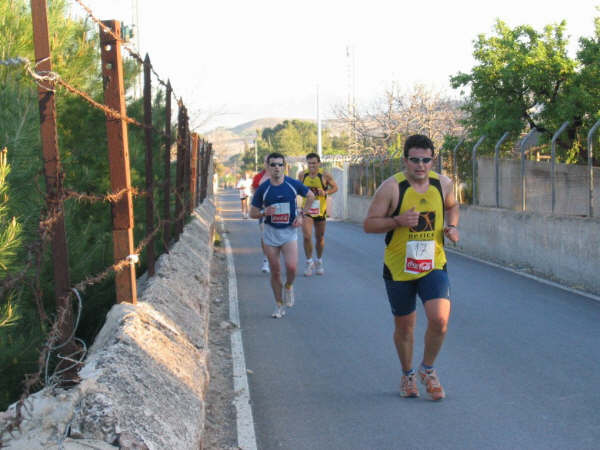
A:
(418, 265)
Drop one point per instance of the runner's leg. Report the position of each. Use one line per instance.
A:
(273, 257)
(438, 313)
(290, 256)
(320, 237)
(404, 338)
(307, 226)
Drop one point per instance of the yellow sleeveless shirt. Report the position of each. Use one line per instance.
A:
(319, 206)
(412, 253)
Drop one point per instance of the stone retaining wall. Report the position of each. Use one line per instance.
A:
(144, 379)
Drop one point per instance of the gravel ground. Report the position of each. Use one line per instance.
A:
(220, 425)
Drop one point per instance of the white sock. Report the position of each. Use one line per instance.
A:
(309, 260)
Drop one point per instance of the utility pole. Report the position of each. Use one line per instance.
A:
(319, 142)
(351, 69)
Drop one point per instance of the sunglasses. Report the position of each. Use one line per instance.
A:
(415, 160)
(276, 164)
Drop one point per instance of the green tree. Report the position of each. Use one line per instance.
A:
(579, 102)
(518, 80)
(10, 240)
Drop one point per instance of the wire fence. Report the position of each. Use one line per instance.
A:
(523, 177)
(193, 168)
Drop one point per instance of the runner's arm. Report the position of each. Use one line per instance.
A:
(451, 210)
(310, 196)
(255, 213)
(332, 186)
(378, 220)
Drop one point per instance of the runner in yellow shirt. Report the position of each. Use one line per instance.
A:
(416, 209)
(322, 184)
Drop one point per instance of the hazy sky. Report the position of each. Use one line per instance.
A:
(241, 60)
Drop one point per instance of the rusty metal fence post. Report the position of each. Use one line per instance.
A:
(150, 257)
(206, 165)
(193, 172)
(52, 166)
(118, 156)
(590, 138)
(553, 163)
(186, 169)
(201, 147)
(167, 163)
(179, 189)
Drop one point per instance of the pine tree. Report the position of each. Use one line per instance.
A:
(10, 239)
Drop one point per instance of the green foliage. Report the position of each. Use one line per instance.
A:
(517, 80)
(524, 79)
(292, 138)
(10, 240)
(83, 147)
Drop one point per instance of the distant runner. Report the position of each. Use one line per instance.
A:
(410, 207)
(244, 186)
(257, 180)
(321, 184)
(275, 200)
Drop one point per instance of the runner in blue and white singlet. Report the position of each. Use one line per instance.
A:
(275, 200)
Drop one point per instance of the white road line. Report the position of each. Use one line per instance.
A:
(245, 423)
(527, 275)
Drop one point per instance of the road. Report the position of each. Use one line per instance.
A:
(520, 364)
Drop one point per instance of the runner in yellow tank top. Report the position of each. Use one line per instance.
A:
(416, 209)
(322, 184)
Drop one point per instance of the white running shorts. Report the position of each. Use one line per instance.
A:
(276, 237)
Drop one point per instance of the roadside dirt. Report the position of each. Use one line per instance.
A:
(220, 425)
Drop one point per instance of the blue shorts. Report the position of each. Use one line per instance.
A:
(402, 295)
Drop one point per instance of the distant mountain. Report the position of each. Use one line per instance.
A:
(232, 141)
(249, 128)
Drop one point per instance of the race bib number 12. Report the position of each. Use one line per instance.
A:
(419, 256)
(281, 214)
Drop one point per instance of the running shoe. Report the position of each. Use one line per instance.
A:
(408, 386)
(319, 267)
(430, 380)
(309, 268)
(265, 266)
(279, 312)
(288, 296)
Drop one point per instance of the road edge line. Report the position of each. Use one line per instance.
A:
(245, 423)
(527, 275)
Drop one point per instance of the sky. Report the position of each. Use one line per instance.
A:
(233, 61)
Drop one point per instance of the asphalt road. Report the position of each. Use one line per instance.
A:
(520, 364)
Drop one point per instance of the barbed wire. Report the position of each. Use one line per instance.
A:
(52, 78)
(48, 80)
(32, 380)
(134, 54)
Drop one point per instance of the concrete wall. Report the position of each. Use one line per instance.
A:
(562, 248)
(144, 379)
(337, 204)
(565, 249)
(572, 186)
